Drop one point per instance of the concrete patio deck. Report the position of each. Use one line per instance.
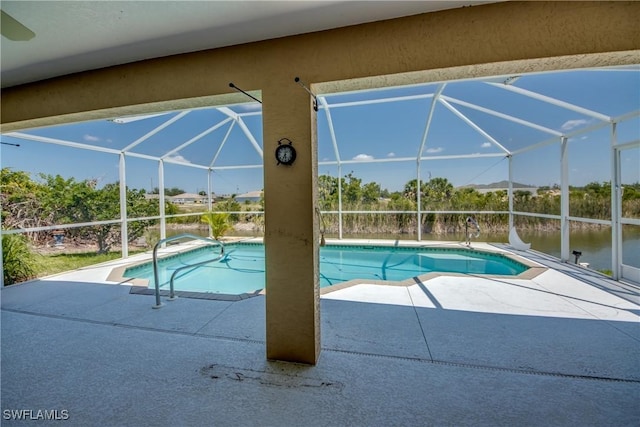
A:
(562, 349)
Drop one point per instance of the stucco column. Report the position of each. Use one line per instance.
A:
(291, 233)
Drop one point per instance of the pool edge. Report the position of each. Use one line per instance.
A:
(141, 286)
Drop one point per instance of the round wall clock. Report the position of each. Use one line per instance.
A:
(285, 153)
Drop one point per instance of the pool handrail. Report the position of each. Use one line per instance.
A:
(155, 261)
(196, 265)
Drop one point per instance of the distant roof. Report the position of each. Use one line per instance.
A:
(501, 185)
(250, 195)
(188, 196)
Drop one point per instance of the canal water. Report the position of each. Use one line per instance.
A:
(595, 244)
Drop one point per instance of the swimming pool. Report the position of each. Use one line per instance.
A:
(242, 269)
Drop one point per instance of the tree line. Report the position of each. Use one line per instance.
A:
(51, 200)
(54, 200)
(438, 194)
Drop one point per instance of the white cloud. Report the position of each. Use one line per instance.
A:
(486, 145)
(247, 108)
(392, 154)
(178, 158)
(91, 138)
(572, 124)
(363, 157)
(435, 150)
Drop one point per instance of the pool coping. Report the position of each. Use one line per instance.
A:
(141, 286)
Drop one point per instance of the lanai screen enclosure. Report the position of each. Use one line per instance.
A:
(557, 130)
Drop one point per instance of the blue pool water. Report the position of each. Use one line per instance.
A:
(242, 269)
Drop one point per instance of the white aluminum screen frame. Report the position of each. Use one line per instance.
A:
(437, 98)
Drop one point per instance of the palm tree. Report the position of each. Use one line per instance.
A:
(218, 223)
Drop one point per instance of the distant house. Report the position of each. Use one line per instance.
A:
(251, 196)
(502, 186)
(182, 199)
(532, 190)
(187, 198)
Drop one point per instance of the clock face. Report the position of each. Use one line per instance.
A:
(285, 154)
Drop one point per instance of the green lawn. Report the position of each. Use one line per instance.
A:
(58, 263)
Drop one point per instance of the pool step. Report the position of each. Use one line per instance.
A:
(451, 262)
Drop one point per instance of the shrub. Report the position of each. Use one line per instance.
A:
(219, 223)
(18, 262)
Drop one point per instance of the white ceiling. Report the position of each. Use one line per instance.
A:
(73, 36)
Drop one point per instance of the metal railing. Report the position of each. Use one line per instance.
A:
(173, 276)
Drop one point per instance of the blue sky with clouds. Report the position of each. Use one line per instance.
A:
(368, 136)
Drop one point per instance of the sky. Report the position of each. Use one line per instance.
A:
(372, 138)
